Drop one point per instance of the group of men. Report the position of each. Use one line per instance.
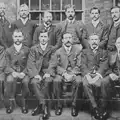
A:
(87, 56)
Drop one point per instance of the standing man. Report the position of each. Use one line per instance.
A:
(16, 56)
(111, 79)
(48, 26)
(93, 61)
(65, 63)
(76, 28)
(96, 26)
(114, 29)
(27, 26)
(5, 33)
(38, 62)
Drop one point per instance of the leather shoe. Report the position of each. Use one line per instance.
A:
(96, 113)
(37, 110)
(9, 110)
(58, 111)
(74, 111)
(45, 114)
(104, 115)
(24, 110)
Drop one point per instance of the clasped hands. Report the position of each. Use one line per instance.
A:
(92, 78)
(113, 76)
(18, 75)
(46, 75)
(68, 77)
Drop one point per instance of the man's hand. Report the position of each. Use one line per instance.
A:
(68, 77)
(113, 76)
(38, 77)
(15, 74)
(21, 75)
(46, 75)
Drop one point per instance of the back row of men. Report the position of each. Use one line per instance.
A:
(85, 55)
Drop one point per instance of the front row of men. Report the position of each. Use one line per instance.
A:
(93, 67)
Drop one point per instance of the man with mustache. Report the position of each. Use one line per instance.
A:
(16, 57)
(93, 65)
(76, 28)
(38, 62)
(5, 31)
(98, 27)
(27, 26)
(65, 65)
(47, 25)
(114, 29)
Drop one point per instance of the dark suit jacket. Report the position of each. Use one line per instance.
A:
(80, 31)
(37, 58)
(111, 42)
(100, 30)
(90, 61)
(28, 30)
(5, 33)
(16, 61)
(51, 33)
(61, 60)
(113, 63)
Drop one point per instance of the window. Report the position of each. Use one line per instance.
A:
(37, 7)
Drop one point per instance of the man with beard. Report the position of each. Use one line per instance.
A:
(114, 29)
(76, 28)
(15, 70)
(5, 33)
(93, 65)
(27, 26)
(65, 65)
(97, 26)
(38, 62)
(111, 79)
(48, 26)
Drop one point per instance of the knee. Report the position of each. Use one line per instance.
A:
(57, 79)
(10, 79)
(25, 80)
(105, 81)
(48, 80)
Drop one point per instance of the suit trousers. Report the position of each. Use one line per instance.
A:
(90, 90)
(10, 89)
(57, 88)
(42, 89)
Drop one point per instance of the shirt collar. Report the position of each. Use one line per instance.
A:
(95, 23)
(24, 20)
(18, 47)
(70, 21)
(43, 47)
(67, 48)
(116, 23)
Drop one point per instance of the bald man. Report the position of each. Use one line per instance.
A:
(27, 25)
(5, 34)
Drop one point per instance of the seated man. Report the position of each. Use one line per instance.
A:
(93, 61)
(38, 62)
(112, 77)
(16, 56)
(65, 63)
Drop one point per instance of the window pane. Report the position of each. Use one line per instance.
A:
(78, 4)
(35, 16)
(34, 5)
(56, 17)
(78, 15)
(45, 4)
(65, 2)
(63, 16)
(55, 4)
(24, 2)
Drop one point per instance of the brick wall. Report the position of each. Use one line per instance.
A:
(11, 11)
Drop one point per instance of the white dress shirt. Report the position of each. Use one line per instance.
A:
(67, 49)
(95, 23)
(18, 47)
(43, 47)
(24, 20)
